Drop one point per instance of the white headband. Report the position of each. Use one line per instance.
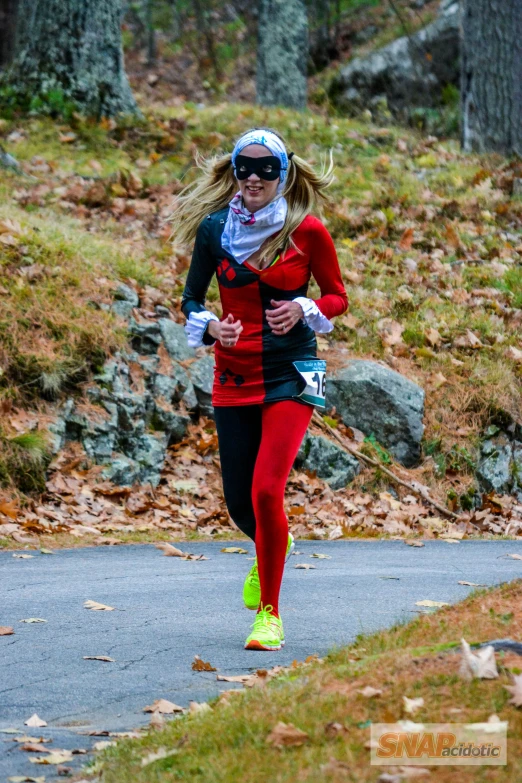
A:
(267, 139)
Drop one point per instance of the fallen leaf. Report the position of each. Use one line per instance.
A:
(286, 735)
(515, 690)
(480, 664)
(47, 552)
(414, 543)
(98, 607)
(27, 738)
(335, 729)
(98, 658)
(321, 556)
(515, 557)
(56, 757)
(450, 540)
(33, 620)
(471, 584)
(26, 779)
(199, 707)
(406, 239)
(34, 747)
(242, 678)
(102, 744)
(161, 753)
(198, 665)
(334, 767)
(412, 705)
(157, 721)
(234, 550)
(170, 551)
(369, 693)
(34, 720)
(427, 602)
(24, 557)
(6, 630)
(164, 707)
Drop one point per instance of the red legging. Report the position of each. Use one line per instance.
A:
(258, 445)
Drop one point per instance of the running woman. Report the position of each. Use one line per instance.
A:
(250, 215)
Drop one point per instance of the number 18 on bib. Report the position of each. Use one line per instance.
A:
(313, 373)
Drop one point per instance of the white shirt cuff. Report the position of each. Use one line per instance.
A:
(313, 316)
(196, 326)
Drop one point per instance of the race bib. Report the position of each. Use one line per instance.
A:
(313, 372)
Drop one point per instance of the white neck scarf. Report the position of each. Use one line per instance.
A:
(246, 231)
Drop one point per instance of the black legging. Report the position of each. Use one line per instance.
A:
(242, 441)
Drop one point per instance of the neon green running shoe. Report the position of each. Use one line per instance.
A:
(267, 632)
(252, 588)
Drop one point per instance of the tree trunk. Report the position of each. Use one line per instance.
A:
(151, 34)
(491, 76)
(70, 51)
(8, 15)
(282, 53)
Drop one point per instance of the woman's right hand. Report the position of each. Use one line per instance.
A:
(227, 331)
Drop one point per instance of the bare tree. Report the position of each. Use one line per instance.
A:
(71, 49)
(491, 76)
(8, 15)
(282, 53)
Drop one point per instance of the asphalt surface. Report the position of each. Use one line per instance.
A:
(168, 610)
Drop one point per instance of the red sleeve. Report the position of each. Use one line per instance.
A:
(325, 269)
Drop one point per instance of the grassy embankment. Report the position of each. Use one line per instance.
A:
(417, 660)
(428, 239)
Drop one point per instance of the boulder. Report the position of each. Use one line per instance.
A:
(122, 471)
(380, 402)
(149, 452)
(169, 421)
(329, 461)
(145, 336)
(499, 466)
(175, 340)
(410, 72)
(125, 293)
(202, 375)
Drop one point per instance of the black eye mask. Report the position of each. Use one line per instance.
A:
(267, 167)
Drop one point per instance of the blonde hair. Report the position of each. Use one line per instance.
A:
(212, 191)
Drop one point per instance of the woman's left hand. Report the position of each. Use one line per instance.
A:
(284, 316)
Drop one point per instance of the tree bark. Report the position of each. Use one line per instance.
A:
(72, 49)
(282, 53)
(8, 15)
(491, 76)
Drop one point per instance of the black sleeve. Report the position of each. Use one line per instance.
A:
(201, 271)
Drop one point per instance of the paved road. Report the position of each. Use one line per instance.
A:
(168, 610)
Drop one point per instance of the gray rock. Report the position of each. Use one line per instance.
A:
(402, 72)
(202, 375)
(164, 312)
(165, 386)
(175, 340)
(186, 392)
(122, 471)
(380, 402)
(493, 472)
(145, 336)
(96, 428)
(149, 451)
(169, 421)
(516, 468)
(329, 461)
(282, 53)
(125, 293)
(122, 309)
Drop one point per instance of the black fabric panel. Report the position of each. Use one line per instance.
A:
(239, 436)
(281, 379)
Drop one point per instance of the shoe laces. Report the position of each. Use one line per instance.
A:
(253, 576)
(265, 617)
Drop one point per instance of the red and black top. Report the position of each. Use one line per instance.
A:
(259, 368)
